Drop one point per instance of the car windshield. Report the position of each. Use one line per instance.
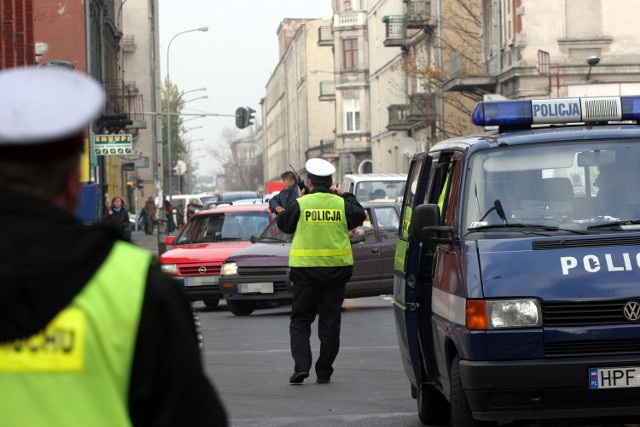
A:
(572, 186)
(223, 226)
(272, 234)
(379, 190)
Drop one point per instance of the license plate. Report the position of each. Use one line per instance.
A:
(261, 288)
(201, 281)
(619, 377)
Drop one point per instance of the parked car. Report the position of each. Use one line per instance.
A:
(260, 273)
(208, 239)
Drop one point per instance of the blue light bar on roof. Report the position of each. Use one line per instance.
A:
(562, 110)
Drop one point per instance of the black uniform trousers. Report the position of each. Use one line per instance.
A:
(309, 299)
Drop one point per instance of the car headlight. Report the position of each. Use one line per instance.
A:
(229, 269)
(169, 268)
(513, 314)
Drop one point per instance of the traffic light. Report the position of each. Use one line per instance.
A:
(241, 117)
(244, 117)
(250, 117)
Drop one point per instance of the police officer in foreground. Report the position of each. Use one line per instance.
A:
(91, 332)
(321, 264)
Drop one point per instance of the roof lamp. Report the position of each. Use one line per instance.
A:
(562, 110)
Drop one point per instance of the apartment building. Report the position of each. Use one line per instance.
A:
(551, 48)
(296, 125)
(141, 71)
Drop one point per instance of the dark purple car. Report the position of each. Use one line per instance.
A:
(259, 274)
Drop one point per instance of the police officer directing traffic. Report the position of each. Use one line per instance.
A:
(321, 263)
(92, 333)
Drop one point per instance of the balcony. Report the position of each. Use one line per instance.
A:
(352, 18)
(418, 14)
(325, 36)
(395, 30)
(124, 106)
(421, 108)
(398, 117)
(128, 43)
(327, 90)
(465, 75)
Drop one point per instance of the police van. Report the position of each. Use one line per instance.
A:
(517, 270)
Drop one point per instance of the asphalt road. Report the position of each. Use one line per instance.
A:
(249, 361)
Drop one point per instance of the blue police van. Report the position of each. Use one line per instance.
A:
(517, 271)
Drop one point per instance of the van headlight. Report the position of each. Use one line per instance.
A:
(169, 268)
(482, 315)
(514, 313)
(229, 269)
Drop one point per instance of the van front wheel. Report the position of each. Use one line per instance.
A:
(433, 408)
(461, 415)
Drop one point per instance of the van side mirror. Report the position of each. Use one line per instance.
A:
(169, 240)
(425, 224)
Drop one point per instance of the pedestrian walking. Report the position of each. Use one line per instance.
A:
(168, 209)
(118, 216)
(321, 263)
(180, 214)
(289, 193)
(151, 212)
(93, 334)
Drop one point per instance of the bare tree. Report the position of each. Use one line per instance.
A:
(461, 45)
(241, 171)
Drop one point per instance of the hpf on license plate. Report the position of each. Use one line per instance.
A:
(618, 377)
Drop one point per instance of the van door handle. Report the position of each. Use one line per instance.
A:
(375, 250)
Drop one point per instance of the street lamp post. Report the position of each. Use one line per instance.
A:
(204, 29)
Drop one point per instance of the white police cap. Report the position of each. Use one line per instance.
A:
(41, 105)
(319, 167)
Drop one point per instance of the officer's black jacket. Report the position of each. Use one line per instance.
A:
(46, 258)
(287, 221)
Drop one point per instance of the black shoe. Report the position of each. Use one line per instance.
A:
(323, 380)
(298, 377)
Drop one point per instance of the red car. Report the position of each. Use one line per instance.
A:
(206, 241)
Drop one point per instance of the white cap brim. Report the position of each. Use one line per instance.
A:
(46, 104)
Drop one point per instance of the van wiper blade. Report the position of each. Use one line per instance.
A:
(618, 223)
(516, 225)
(524, 227)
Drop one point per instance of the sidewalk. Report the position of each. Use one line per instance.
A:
(147, 241)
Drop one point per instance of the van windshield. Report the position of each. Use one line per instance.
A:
(572, 186)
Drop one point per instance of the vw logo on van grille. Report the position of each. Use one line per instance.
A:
(632, 311)
(203, 270)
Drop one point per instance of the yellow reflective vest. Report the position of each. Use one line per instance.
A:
(321, 238)
(76, 371)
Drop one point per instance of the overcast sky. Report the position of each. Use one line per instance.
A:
(233, 60)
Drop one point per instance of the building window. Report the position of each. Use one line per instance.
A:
(350, 54)
(352, 115)
(583, 18)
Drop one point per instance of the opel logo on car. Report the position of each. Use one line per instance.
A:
(203, 270)
(632, 311)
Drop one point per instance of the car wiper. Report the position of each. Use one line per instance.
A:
(618, 223)
(272, 239)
